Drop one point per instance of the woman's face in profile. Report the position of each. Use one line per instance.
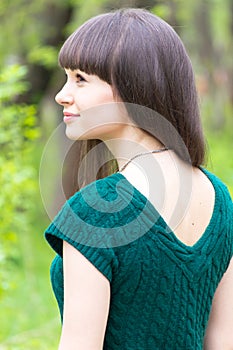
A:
(89, 107)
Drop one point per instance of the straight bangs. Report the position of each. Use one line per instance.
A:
(90, 48)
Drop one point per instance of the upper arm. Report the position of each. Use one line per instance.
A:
(86, 302)
(219, 334)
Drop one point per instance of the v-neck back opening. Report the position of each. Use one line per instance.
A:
(162, 222)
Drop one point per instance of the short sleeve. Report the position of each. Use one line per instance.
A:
(87, 221)
(102, 258)
(99, 219)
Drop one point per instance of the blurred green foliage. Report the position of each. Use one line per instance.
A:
(45, 55)
(17, 176)
(21, 219)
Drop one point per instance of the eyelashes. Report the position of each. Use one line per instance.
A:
(75, 76)
(79, 78)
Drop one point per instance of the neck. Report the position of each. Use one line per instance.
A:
(133, 142)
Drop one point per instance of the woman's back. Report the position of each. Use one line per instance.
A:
(161, 289)
(188, 203)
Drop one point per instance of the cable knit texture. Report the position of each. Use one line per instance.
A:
(161, 289)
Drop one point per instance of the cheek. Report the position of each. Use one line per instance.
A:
(108, 96)
(92, 98)
(102, 95)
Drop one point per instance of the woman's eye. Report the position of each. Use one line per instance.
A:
(79, 78)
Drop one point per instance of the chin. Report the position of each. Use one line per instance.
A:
(71, 135)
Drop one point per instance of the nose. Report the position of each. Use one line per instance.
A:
(64, 97)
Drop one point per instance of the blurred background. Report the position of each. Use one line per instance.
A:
(31, 34)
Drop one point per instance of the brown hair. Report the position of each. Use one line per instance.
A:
(145, 62)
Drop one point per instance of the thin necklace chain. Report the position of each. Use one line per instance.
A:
(142, 154)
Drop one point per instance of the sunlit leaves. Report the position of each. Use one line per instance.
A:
(18, 181)
(12, 82)
(162, 10)
(45, 56)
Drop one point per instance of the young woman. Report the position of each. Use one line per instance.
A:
(144, 253)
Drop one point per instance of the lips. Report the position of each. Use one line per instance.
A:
(69, 116)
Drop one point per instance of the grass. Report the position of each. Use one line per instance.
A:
(29, 315)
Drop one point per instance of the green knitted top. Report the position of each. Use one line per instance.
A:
(161, 289)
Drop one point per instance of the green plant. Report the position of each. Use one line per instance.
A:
(17, 177)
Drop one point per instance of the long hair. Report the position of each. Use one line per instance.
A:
(146, 63)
